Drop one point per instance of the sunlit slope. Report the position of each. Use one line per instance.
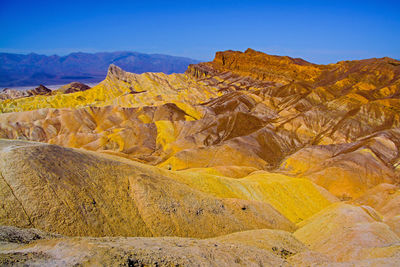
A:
(346, 232)
(73, 192)
(336, 125)
(134, 251)
(340, 235)
(385, 198)
(250, 248)
(123, 89)
(295, 198)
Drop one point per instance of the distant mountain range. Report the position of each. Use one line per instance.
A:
(34, 69)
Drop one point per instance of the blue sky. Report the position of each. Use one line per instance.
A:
(318, 31)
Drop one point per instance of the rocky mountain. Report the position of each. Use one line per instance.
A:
(31, 69)
(308, 153)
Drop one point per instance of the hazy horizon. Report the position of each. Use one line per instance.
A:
(200, 60)
(85, 52)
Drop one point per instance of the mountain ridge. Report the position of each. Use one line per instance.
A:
(31, 69)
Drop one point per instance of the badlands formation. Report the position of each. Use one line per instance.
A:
(248, 160)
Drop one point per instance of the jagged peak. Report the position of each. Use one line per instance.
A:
(114, 70)
(250, 50)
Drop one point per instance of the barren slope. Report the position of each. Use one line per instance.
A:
(248, 141)
(322, 122)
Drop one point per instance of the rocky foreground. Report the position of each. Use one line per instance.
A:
(250, 159)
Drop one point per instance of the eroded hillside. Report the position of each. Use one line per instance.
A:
(247, 141)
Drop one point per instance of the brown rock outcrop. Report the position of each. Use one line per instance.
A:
(40, 90)
(72, 88)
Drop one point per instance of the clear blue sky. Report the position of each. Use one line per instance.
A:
(318, 31)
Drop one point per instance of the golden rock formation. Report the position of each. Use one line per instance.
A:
(245, 142)
(274, 113)
(74, 192)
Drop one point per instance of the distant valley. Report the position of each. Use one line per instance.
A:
(34, 69)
